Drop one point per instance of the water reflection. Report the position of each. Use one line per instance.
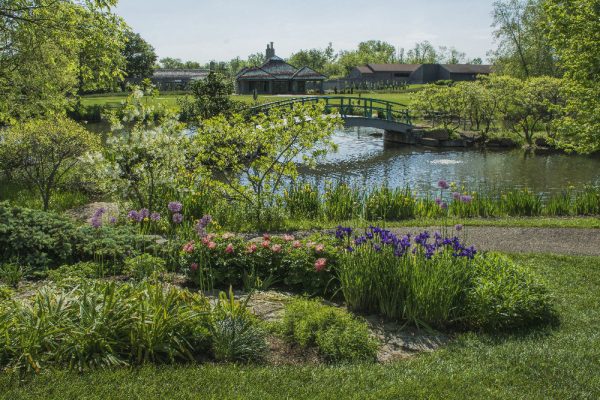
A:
(364, 159)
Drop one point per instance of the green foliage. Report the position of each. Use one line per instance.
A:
(36, 238)
(139, 55)
(506, 296)
(235, 333)
(144, 153)
(445, 290)
(11, 274)
(98, 325)
(574, 32)
(210, 97)
(250, 159)
(77, 272)
(523, 50)
(44, 67)
(144, 266)
(43, 152)
(338, 335)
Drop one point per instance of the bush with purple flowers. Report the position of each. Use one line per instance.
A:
(429, 280)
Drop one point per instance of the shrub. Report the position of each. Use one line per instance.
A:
(102, 325)
(45, 151)
(229, 260)
(144, 266)
(505, 295)
(339, 336)
(235, 333)
(35, 238)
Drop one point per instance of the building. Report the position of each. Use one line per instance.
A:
(174, 79)
(276, 76)
(416, 73)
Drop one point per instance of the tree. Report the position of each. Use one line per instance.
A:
(144, 153)
(523, 50)
(256, 59)
(316, 59)
(249, 160)
(372, 51)
(210, 97)
(45, 151)
(574, 32)
(51, 50)
(139, 56)
(422, 53)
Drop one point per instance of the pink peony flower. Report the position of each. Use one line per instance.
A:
(229, 249)
(252, 248)
(320, 264)
(212, 245)
(194, 267)
(188, 247)
(266, 236)
(297, 244)
(288, 238)
(205, 240)
(266, 244)
(276, 248)
(319, 248)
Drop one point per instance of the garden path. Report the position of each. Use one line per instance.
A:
(568, 241)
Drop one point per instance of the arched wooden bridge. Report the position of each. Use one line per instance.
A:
(355, 111)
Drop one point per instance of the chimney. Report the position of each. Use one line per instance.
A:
(270, 51)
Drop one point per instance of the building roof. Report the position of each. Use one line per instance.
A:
(308, 74)
(393, 67)
(277, 69)
(468, 68)
(180, 73)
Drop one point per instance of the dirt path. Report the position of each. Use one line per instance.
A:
(566, 241)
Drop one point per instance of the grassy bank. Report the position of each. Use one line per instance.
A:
(554, 363)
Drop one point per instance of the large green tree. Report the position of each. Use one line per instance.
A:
(140, 56)
(574, 32)
(520, 30)
(51, 50)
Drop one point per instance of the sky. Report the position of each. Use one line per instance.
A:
(203, 30)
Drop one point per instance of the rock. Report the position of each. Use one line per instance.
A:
(501, 142)
(86, 212)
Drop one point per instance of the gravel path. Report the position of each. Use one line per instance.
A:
(526, 240)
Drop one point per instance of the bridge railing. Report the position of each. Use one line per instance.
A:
(348, 107)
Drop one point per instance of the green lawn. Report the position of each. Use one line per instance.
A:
(559, 363)
(170, 100)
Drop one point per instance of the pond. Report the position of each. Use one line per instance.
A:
(364, 159)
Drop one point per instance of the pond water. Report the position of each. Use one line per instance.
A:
(364, 159)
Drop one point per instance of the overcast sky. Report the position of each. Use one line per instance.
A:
(204, 30)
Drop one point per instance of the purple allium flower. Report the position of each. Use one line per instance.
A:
(113, 220)
(442, 184)
(144, 213)
(466, 199)
(175, 207)
(99, 212)
(438, 201)
(202, 224)
(456, 196)
(133, 215)
(177, 218)
(444, 205)
(155, 217)
(458, 227)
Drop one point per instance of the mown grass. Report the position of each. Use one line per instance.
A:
(170, 100)
(555, 363)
